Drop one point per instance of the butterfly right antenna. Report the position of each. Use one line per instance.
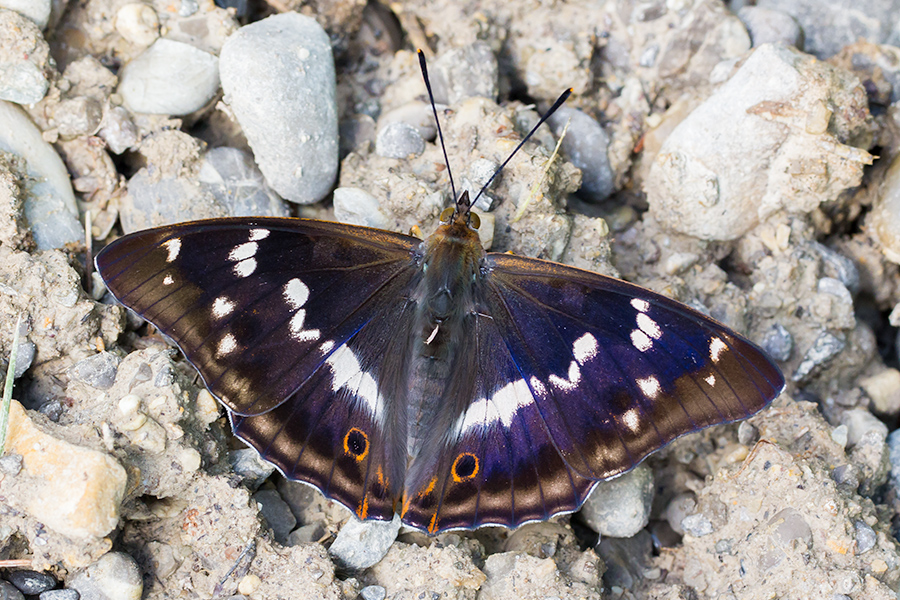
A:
(559, 102)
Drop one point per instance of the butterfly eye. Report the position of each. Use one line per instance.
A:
(474, 221)
(447, 213)
(465, 467)
(356, 444)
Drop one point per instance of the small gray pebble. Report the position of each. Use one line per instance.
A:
(399, 140)
(250, 467)
(63, 594)
(233, 179)
(9, 592)
(31, 582)
(11, 464)
(893, 441)
(277, 513)
(865, 537)
(824, 348)
(78, 116)
(846, 475)
(586, 145)
(724, 546)
(678, 508)
(838, 266)
(361, 544)
(53, 409)
(840, 597)
(621, 506)
(24, 357)
(697, 525)
(358, 207)
(778, 342)
(766, 25)
(306, 534)
(747, 433)
(118, 130)
(373, 592)
(98, 371)
(115, 576)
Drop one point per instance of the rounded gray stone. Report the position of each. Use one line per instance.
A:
(361, 544)
(585, 145)
(278, 77)
(399, 140)
(767, 25)
(9, 592)
(358, 207)
(169, 78)
(31, 582)
(620, 507)
(115, 576)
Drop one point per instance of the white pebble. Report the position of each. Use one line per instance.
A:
(138, 24)
(169, 78)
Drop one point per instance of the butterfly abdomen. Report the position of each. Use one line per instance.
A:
(446, 299)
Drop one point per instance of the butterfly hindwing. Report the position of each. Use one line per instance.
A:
(340, 431)
(496, 462)
(578, 377)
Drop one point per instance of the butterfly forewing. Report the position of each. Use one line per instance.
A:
(253, 302)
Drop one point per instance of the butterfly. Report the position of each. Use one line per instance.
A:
(429, 378)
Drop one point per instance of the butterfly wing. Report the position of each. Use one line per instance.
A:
(271, 310)
(580, 377)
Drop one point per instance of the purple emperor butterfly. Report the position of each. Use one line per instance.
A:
(457, 387)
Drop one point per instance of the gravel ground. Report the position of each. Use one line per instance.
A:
(739, 157)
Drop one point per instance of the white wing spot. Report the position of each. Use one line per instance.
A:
(631, 419)
(243, 251)
(296, 293)
(173, 247)
(502, 407)
(711, 380)
(640, 340)
(168, 280)
(227, 345)
(716, 348)
(348, 374)
(641, 305)
(245, 268)
(326, 346)
(222, 307)
(298, 333)
(570, 384)
(259, 234)
(650, 386)
(584, 348)
(649, 326)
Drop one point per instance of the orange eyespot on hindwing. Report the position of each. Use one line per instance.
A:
(356, 443)
(465, 467)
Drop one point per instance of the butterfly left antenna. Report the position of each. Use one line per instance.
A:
(436, 120)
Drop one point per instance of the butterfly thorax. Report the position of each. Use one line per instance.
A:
(446, 304)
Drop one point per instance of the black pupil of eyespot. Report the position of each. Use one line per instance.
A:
(356, 442)
(465, 466)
